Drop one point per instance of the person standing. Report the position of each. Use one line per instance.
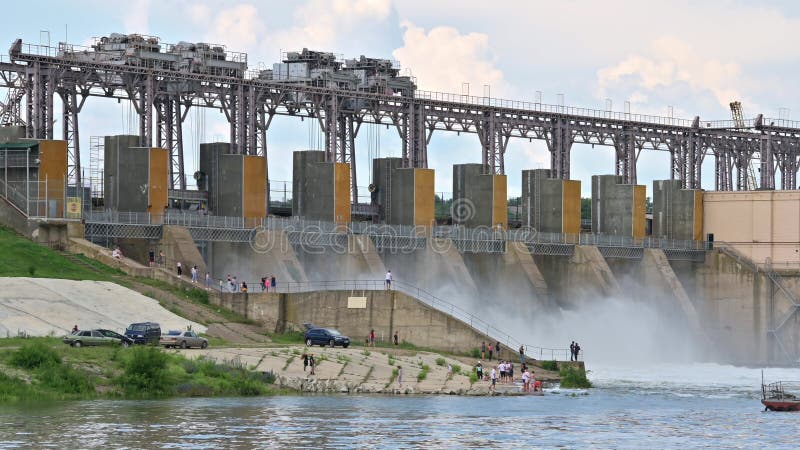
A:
(490, 352)
(193, 271)
(312, 364)
(525, 376)
(180, 268)
(273, 284)
(396, 342)
(479, 371)
(244, 287)
(399, 376)
(522, 354)
(493, 379)
(577, 351)
(388, 280)
(161, 258)
(483, 350)
(497, 349)
(372, 338)
(208, 280)
(572, 351)
(305, 361)
(264, 283)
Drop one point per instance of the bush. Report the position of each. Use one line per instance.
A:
(440, 361)
(549, 365)
(475, 352)
(33, 356)
(473, 377)
(392, 361)
(423, 373)
(145, 372)
(456, 369)
(573, 378)
(198, 295)
(65, 379)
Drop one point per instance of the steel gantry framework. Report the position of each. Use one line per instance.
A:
(162, 97)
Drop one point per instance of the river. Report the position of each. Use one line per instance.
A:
(654, 406)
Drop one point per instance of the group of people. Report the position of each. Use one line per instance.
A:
(269, 283)
(369, 341)
(309, 361)
(492, 350)
(504, 373)
(574, 350)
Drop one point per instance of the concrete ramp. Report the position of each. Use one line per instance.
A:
(372, 263)
(518, 254)
(588, 262)
(270, 254)
(43, 306)
(178, 245)
(658, 272)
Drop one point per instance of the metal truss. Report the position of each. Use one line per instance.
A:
(122, 231)
(250, 104)
(622, 252)
(206, 234)
(685, 255)
(389, 242)
(552, 249)
(479, 246)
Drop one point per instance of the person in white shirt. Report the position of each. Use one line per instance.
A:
(388, 280)
(493, 378)
(525, 378)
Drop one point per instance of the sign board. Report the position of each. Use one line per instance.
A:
(357, 302)
(73, 207)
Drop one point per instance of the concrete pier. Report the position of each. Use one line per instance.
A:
(479, 200)
(236, 184)
(405, 195)
(677, 212)
(320, 189)
(549, 204)
(136, 178)
(618, 209)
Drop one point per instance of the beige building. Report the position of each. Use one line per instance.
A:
(760, 224)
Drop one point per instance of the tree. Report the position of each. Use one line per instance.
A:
(586, 209)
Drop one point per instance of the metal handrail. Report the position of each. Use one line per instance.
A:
(456, 233)
(476, 323)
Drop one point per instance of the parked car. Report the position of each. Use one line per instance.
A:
(97, 337)
(183, 339)
(326, 336)
(144, 332)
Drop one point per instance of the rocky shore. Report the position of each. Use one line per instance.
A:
(365, 371)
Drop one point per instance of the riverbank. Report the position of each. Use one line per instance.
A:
(46, 369)
(369, 370)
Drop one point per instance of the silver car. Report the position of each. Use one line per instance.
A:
(183, 339)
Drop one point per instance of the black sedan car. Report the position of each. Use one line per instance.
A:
(326, 336)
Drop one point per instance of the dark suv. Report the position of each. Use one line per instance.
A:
(326, 336)
(144, 333)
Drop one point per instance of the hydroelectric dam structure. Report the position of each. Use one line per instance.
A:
(734, 285)
(163, 81)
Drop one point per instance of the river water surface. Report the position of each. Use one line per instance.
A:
(654, 406)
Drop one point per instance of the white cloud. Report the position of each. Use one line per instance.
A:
(318, 23)
(135, 17)
(672, 61)
(239, 27)
(442, 59)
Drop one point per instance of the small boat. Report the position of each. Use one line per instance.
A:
(775, 398)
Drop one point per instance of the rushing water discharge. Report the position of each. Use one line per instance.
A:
(653, 406)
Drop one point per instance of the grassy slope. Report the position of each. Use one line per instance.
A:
(20, 257)
(46, 369)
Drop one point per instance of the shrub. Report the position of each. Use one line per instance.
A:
(392, 360)
(423, 373)
(456, 369)
(549, 365)
(145, 372)
(573, 378)
(33, 356)
(475, 352)
(473, 377)
(65, 379)
(440, 361)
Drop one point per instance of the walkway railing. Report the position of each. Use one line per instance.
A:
(476, 323)
(296, 224)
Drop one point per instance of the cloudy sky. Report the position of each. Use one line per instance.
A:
(690, 57)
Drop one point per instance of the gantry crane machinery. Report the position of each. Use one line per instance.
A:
(738, 122)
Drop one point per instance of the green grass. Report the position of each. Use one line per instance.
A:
(291, 337)
(45, 369)
(456, 369)
(441, 361)
(20, 257)
(391, 360)
(424, 372)
(475, 352)
(573, 378)
(395, 372)
(473, 377)
(197, 296)
(549, 365)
